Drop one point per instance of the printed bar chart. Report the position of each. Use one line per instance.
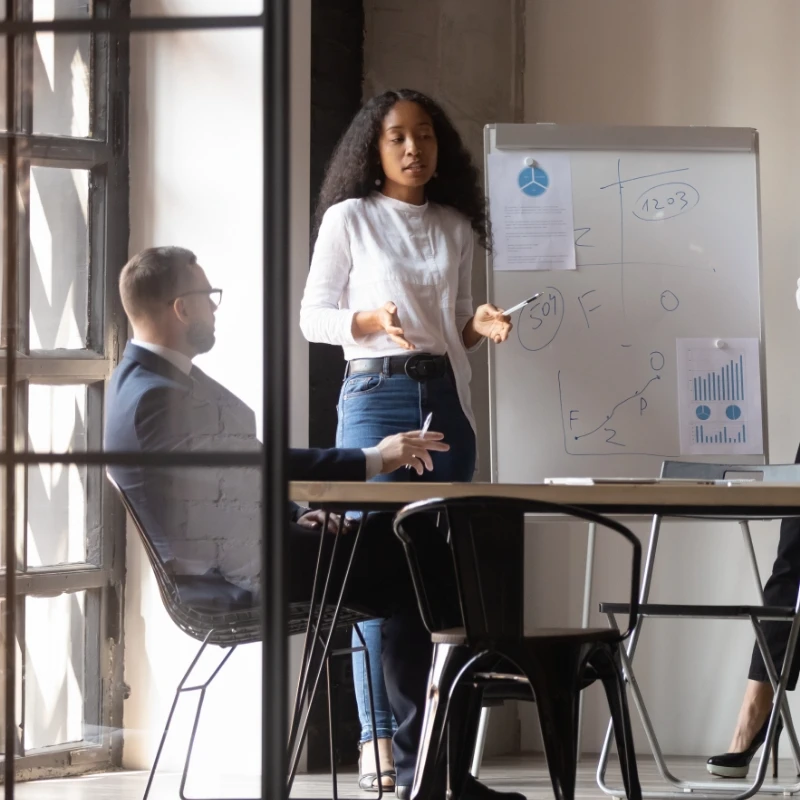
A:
(720, 396)
(726, 383)
(720, 434)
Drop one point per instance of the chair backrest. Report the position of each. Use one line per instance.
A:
(694, 470)
(203, 606)
(480, 532)
(208, 607)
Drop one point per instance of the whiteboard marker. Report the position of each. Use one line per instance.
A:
(509, 311)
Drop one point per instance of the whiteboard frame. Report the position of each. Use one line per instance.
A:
(548, 136)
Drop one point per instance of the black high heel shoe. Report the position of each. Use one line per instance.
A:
(736, 765)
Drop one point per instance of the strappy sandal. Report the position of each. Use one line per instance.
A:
(368, 782)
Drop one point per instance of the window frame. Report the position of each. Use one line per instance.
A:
(104, 155)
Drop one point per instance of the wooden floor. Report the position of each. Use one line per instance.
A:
(526, 774)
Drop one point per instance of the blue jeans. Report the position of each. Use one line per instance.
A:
(372, 407)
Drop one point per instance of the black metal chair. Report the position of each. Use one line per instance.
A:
(490, 652)
(214, 611)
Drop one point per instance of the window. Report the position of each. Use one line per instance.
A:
(72, 189)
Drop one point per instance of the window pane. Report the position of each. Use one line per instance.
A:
(57, 493)
(61, 72)
(59, 258)
(55, 669)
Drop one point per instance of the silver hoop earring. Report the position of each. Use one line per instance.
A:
(377, 181)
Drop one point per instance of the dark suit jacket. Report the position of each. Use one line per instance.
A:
(199, 519)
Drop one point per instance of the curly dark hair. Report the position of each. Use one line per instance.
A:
(355, 164)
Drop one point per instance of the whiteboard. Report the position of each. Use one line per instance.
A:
(587, 383)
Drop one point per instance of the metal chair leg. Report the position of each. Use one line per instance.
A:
(201, 688)
(480, 743)
(170, 715)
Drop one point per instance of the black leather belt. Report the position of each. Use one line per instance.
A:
(419, 366)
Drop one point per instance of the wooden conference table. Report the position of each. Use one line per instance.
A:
(756, 500)
(739, 501)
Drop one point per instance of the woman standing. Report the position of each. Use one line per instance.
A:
(390, 281)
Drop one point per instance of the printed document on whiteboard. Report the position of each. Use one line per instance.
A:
(719, 397)
(530, 206)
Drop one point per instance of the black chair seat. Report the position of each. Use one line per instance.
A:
(458, 636)
(212, 594)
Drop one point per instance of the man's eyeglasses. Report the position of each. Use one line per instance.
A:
(214, 295)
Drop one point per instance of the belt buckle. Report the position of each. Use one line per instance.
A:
(421, 368)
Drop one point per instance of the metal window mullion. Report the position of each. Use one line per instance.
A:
(44, 582)
(111, 214)
(98, 550)
(21, 475)
(117, 195)
(140, 24)
(20, 526)
(23, 255)
(23, 124)
(24, 71)
(101, 127)
(55, 370)
(43, 156)
(98, 260)
(19, 704)
(13, 11)
(93, 669)
(52, 150)
(99, 71)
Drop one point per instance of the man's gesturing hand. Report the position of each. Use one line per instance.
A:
(412, 449)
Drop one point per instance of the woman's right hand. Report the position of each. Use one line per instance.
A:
(390, 323)
(382, 319)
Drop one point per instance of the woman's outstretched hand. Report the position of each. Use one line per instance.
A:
(383, 319)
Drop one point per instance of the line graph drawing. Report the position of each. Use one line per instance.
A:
(617, 406)
(629, 423)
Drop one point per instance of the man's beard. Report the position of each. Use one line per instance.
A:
(201, 337)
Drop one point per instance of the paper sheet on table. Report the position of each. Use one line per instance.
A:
(719, 397)
(531, 211)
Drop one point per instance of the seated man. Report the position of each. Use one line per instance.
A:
(207, 520)
(200, 518)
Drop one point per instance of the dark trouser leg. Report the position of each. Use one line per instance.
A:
(780, 590)
(406, 663)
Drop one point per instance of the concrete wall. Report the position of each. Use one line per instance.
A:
(718, 62)
(468, 55)
(196, 168)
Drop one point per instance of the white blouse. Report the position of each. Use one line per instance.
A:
(377, 249)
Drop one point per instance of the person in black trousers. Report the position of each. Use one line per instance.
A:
(780, 590)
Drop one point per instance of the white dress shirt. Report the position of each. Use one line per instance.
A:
(184, 364)
(377, 249)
